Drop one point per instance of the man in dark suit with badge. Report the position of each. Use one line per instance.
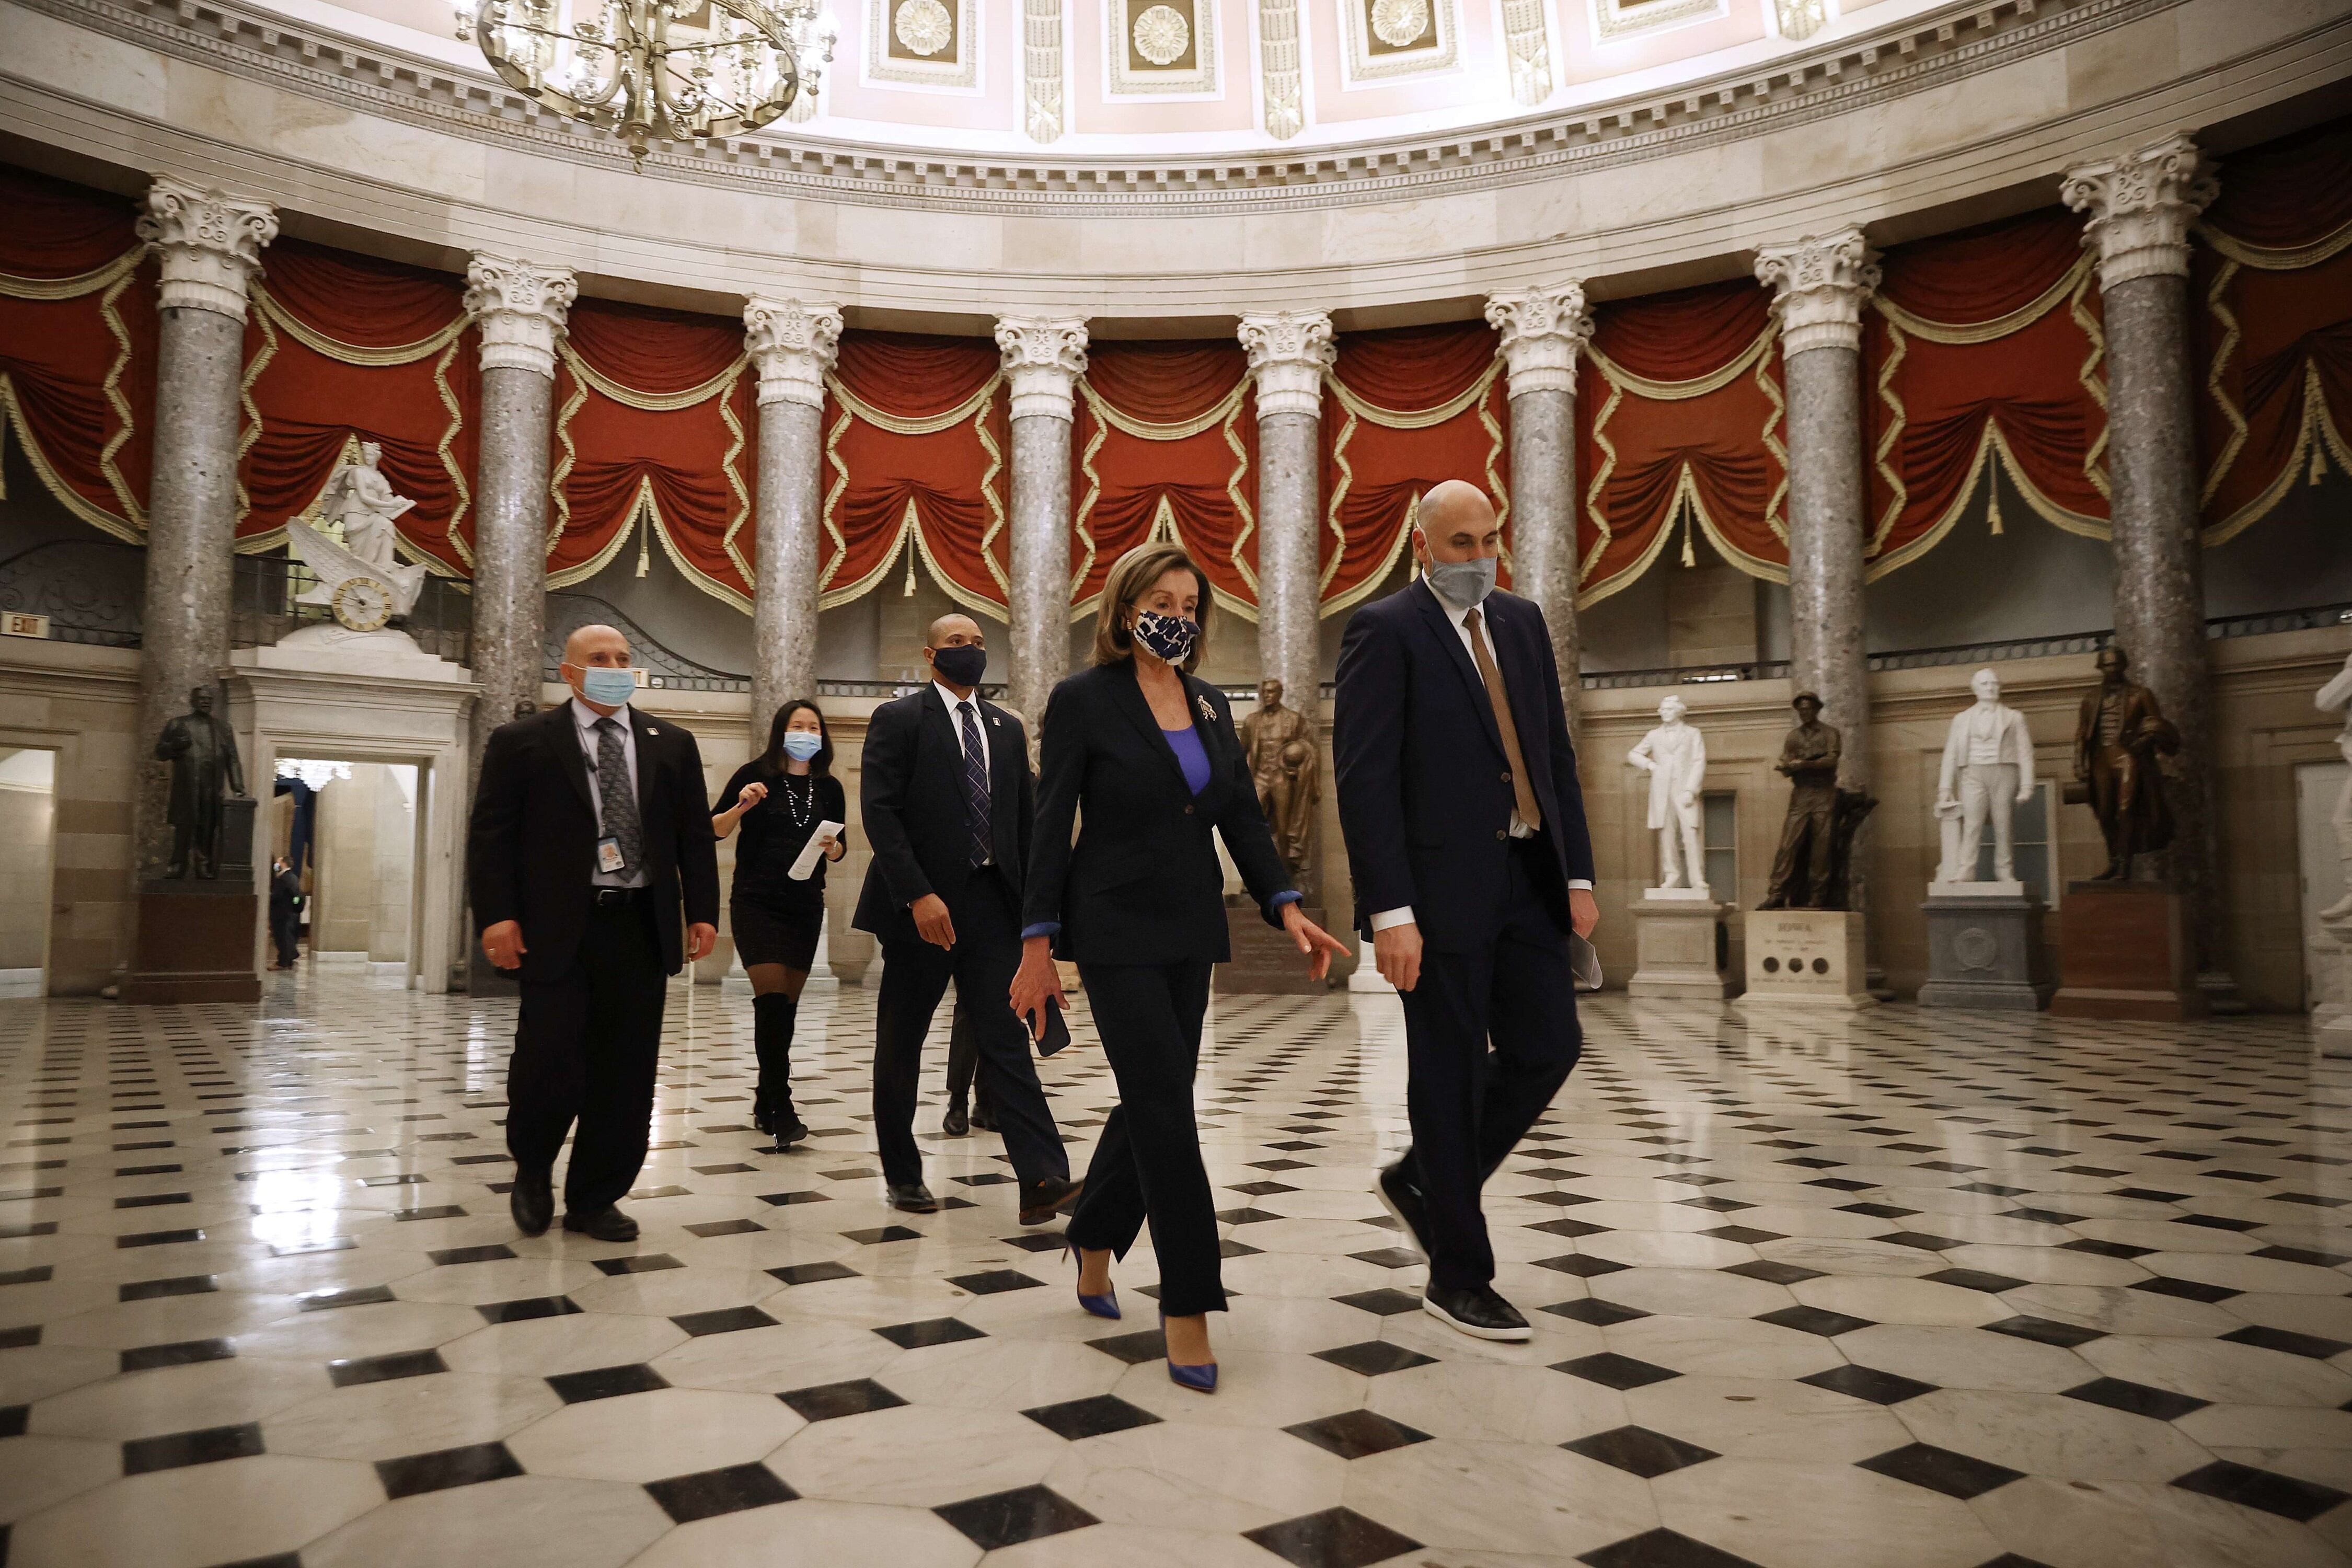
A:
(594, 877)
(946, 798)
(1466, 838)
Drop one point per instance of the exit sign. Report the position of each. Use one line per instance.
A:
(19, 623)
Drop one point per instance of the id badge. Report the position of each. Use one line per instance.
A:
(608, 855)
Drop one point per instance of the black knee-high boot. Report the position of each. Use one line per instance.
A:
(772, 1033)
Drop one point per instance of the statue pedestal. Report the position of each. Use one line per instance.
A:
(2332, 1020)
(2123, 952)
(196, 944)
(1810, 958)
(1984, 949)
(1266, 961)
(1682, 951)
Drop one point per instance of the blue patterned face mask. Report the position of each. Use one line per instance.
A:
(607, 688)
(1170, 638)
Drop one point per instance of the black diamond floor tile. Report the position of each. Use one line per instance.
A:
(1335, 1538)
(1353, 1434)
(1384, 1302)
(709, 1493)
(445, 1468)
(1092, 1417)
(725, 1320)
(1868, 1382)
(929, 1331)
(605, 1382)
(2287, 1341)
(1662, 1549)
(1941, 1470)
(831, 1401)
(1010, 1518)
(1815, 1321)
(1591, 1309)
(1614, 1371)
(2138, 1398)
(187, 1352)
(1640, 1451)
(995, 1281)
(177, 1450)
(2302, 1502)
(1773, 1273)
(385, 1368)
(1374, 1357)
(2045, 1331)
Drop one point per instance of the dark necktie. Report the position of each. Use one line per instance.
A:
(976, 784)
(613, 792)
(1523, 795)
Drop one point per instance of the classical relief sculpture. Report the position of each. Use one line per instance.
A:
(2117, 740)
(2335, 696)
(1988, 772)
(1284, 760)
(201, 749)
(360, 579)
(1809, 871)
(1675, 756)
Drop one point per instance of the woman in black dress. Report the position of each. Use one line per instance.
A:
(781, 797)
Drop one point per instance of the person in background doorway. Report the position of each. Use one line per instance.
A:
(285, 913)
(781, 798)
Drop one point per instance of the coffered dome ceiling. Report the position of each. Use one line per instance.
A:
(1203, 77)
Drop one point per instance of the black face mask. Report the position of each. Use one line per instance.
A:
(961, 666)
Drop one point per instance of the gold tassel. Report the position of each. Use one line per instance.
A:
(2318, 459)
(644, 544)
(1992, 503)
(1690, 556)
(910, 591)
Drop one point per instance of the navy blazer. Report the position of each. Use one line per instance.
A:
(1425, 793)
(1142, 884)
(910, 800)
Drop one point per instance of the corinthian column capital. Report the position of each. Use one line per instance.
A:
(522, 309)
(1542, 331)
(1044, 358)
(208, 242)
(2142, 206)
(1821, 284)
(794, 346)
(1288, 353)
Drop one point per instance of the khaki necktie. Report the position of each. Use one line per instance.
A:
(1523, 795)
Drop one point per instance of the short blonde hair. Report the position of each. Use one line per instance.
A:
(1132, 576)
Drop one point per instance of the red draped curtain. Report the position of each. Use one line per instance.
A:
(1984, 347)
(1679, 416)
(77, 346)
(1435, 400)
(342, 349)
(1165, 447)
(2273, 275)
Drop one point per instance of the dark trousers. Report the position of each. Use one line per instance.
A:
(963, 1061)
(915, 975)
(585, 1048)
(286, 933)
(1469, 1107)
(1148, 1161)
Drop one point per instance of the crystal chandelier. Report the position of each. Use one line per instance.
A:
(655, 70)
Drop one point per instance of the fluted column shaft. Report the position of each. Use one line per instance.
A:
(521, 309)
(208, 244)
(1288, 353)
(793, 345)
(2142, 208)
(1042, 361)
(1542, 333)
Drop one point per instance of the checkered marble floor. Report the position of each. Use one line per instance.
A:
(1935, 1290)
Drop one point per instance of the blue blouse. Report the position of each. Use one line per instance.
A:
(1190, 756)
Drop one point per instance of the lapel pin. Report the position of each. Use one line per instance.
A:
(651, 731)
(1208, 714)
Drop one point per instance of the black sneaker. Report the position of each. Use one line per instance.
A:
(1400, 1195)
(1476, 1311)
(914, 1197)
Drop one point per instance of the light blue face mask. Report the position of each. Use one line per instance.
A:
(803, 744)
(607, 688)
(1462, 583)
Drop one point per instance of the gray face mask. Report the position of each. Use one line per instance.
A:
(1462, 583)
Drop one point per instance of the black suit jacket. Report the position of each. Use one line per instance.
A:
(1424, 792)
(1142, 884)
(910, 796)
(531, 852)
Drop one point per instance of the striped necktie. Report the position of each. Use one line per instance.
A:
(975, 786)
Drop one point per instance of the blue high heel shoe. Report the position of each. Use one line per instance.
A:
(1103, 1306)
(1201, 1379)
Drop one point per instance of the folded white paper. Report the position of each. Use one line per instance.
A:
(810, 850)
(1583, 963)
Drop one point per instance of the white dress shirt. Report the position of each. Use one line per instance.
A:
(979, 724)
(1458, 617)
(585, 720)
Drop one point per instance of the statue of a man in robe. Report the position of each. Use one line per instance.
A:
(201, 749)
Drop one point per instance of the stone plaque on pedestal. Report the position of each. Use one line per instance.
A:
(2123, 952)
(1266, 961)
(1682, 951)
(1807, 958)
(195, 943)
(1984, 949)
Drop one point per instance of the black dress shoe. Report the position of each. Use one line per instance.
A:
(787, 1128)
(604, 1224)
(959, 1121)
(1049, 1198)
(532, 1201)
(983, 1119)
(763, 1117)
(1476, 1311)
(914, 1197)
(1402, 1196)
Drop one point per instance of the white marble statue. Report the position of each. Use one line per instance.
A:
(1675, 756)
(360, 498)
(1987, 771)
(362, 578)
(2335, 696)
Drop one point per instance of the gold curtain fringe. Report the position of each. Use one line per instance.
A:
(564, 466)
(1599, 481)
(333, 348)
(1967, 334)
(449, 464)
(1396, 419)
(12, 416)
(249, 427)
(2216, 301)
(1899, 494)
(112, 387)
(2316, 437)
(743, 498)
(1774, 518)
(926, 425)
(649, 402)
(2292, 259)
(1110, 414)
(1617, 375)
(90, 282)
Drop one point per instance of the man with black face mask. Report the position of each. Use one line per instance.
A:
(946, 799)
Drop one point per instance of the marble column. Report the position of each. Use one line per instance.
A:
(520, 310)
(1044, 358)
(1820, 285)
(208, 246)
(794, 344)
(1288, 353)
(1543, 331)
(2142, 206)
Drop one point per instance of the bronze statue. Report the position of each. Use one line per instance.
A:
(2117, 740)
(1285, 763)
(201, 749)
(1809, 871)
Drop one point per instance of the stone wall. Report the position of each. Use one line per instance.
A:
(81, 703)
(27, 822)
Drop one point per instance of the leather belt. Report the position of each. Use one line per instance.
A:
(606, 897)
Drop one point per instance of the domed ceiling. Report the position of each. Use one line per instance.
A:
(1189, 78)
